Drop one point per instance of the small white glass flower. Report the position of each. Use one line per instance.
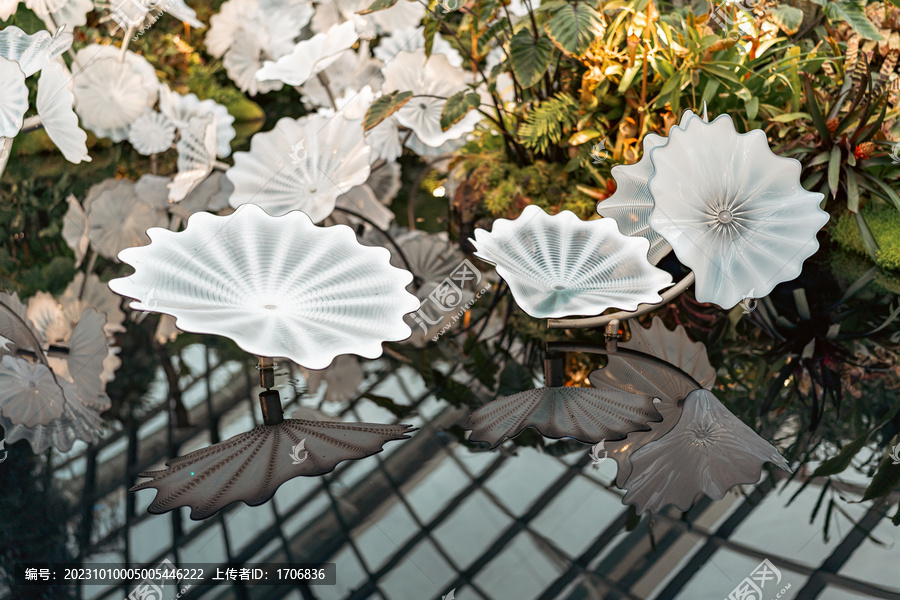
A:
(311, 56)
(410, 39)
(136, 13)
(247, 32)
(196, 156)
(277, 286)
(29, 394)
(353, 70)
(732, 210)
(709, 450)
(151, 133)
(110, 95)
(428, 76)
(14, 102)
(33, 52)
(302, 164)
(399, 16)
(54, 105)
(71, 13)
(179, 108)
(560, 265)
(119, 218)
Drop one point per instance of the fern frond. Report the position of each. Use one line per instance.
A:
(547, 122)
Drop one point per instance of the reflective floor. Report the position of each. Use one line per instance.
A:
(429, 516)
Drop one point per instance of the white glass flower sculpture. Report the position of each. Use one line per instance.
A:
(385, 182)
(179, 108)
(33, 52)
(411, 39)
(109, 94)
(311, 56)
(277, 286)
(244, 33)
(135, 14)
(560, 265)
(210, 195)
(631, 204)
(399, 16)
(585, 414)
(118, 217)
(29, 393)
(427, 77)
(93, 293)
(732, 210)
(14, 103)
(709, 450)
(75, 229)
(209, 479)
(302, 164)
(78, 372)
(353, 70)
(151, 133)
(685, 369)
(196, 156)
(362, 200)
(71, 13)
(54, 105)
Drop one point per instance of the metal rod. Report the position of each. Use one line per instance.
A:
(639, 356)
(601, 321)
(553, 369)
(266, 370)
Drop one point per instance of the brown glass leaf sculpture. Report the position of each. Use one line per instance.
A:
(585, 414)
(251, 466)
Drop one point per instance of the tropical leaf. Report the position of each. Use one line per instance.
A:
(458, 106)
(574, 26)
(378, 5)
(384, 107)
(530, 57)
(788, 18)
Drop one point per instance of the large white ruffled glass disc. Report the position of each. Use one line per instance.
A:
(277, 286)
(559, 265)
(733, 211)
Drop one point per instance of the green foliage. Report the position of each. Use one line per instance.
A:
(530, 57)
(573, 27)
(384, 107)
(547, 123)
(884, 223)
(458, 106)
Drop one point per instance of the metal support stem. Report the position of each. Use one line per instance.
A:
(269, 399)
(553, 369)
